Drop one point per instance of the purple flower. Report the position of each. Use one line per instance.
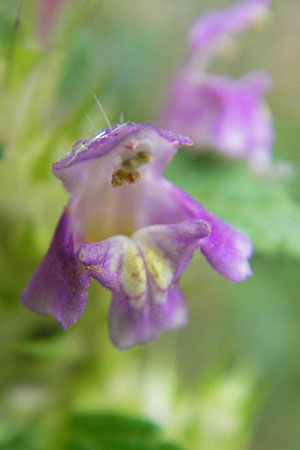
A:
(217, 111)
(47, 13)
(131, 230)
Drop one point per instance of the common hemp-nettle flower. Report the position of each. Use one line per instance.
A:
(133, 231)
(226, 114)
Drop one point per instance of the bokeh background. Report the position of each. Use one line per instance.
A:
(231, 379)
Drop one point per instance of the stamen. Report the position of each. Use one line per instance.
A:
(130, 163)
(140, 158)
(144, 156)
(136, 155)
(122, 177)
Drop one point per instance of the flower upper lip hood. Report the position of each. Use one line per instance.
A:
(107, 141)
(131, 230)
(220, 112)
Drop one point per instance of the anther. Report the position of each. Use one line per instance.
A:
(144, 156)
(130, 163)
(121, 177)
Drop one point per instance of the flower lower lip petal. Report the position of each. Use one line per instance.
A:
(59, 286)
(128, 328)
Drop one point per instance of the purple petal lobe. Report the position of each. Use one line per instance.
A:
(141, 272)
(216, 26)
(259, 81)
(225, 248)
(59, 284)
(130, 326)
(173, 243)
(118, 265)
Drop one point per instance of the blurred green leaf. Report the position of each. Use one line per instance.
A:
(2, 149)
(262, 208)
(6, 32)
(108, 423)
(95, 431)
(26, 57)
(24, 441)
(109, 431)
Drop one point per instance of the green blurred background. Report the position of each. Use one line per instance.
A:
(231, 379)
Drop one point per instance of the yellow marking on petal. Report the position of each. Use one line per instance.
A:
(134, 275)
(160, 296)
(137, 302)
(159, 267)
(93, 268)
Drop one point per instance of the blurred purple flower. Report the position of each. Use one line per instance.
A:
(220, 112)
(47, 13)
(209, 31)
(131, 230)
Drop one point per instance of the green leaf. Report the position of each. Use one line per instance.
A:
(261, 208)
(110, 431)
(108, 423)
